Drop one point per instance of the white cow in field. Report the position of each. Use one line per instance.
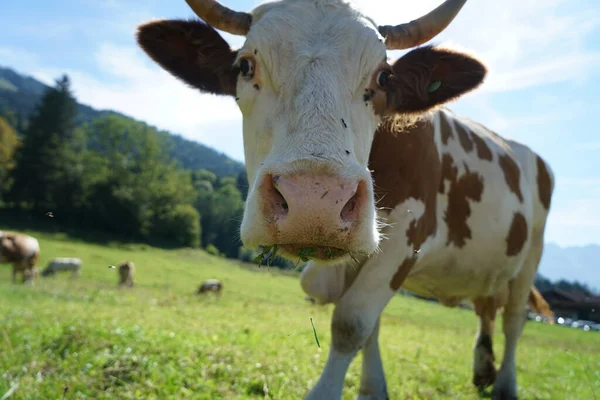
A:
(355, 163)
(63, 264)
(211, 285)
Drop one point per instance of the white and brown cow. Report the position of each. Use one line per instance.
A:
(126, 274)
(22, 251)
(355, 163)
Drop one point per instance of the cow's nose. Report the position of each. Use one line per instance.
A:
(296, 200)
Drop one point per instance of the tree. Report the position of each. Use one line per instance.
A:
(242, 184)
(47, 175)
(9, 143)
(136, 190)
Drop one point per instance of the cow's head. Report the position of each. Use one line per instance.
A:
(313, 85)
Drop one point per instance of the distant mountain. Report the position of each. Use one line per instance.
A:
(20, 94)
(581, 263)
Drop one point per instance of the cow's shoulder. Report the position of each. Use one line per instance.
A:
(405, 164)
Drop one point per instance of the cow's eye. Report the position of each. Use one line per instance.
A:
(382, 78)
(246, 67)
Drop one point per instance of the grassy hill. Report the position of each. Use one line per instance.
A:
(19, 94)
(160, 341)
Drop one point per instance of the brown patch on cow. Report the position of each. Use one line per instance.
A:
(483, 151)
(8, 249)
(485, 308)
(517, 235)
(468, 187)
(463, 137)
(512, 174)
(445, 128)
(544, 183)
(407, 165)
(403, 270)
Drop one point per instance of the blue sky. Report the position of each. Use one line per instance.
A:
(543, 87)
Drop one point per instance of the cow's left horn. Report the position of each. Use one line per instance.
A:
(423, 29)
(221, 17)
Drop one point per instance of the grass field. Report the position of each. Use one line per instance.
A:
(160, 341)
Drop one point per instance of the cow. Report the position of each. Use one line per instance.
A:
(126, 273)
(23, 252)
(63, 264)
(357, 165)
(211, 285)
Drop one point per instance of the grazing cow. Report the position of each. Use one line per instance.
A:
(22, 251)
(63, 264)
(126, 273)
(356, 164)
(211, 285)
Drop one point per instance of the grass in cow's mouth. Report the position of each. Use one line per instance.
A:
(305, 253)
(270, 252)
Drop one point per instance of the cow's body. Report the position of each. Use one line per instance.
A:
(63, 264)
(211, 285)
(126, 274)
(452, 236)
(330, 150)
(460, 223)
(22, 251)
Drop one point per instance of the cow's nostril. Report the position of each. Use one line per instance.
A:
(351, 209)
(275, 199)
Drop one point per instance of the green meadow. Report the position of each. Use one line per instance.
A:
(87, 339)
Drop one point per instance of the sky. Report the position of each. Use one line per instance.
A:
(542, 89)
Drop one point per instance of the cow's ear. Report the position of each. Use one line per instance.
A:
(193, 52)
(427, 76)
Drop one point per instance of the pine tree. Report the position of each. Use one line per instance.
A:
(9, 143)
(49, 162)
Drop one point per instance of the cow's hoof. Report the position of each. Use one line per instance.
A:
(365, 396)
(484, 378)
(504, 394)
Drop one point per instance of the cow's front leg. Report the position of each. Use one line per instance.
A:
(354, 321)
(372, 380)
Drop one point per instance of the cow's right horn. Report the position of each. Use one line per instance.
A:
(221, 17)
(423, 29)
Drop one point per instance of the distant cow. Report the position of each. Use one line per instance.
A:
(63, 264)
(211, 285)
(22, 251)
(126, 273)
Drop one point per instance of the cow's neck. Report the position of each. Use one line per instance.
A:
(406, 164)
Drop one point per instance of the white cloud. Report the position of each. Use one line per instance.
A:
(578, 213)
(523, 43)
(151, 94)
(17, 58)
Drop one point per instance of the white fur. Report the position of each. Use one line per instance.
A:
(308, 83)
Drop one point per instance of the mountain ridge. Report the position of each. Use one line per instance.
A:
(20, 93)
